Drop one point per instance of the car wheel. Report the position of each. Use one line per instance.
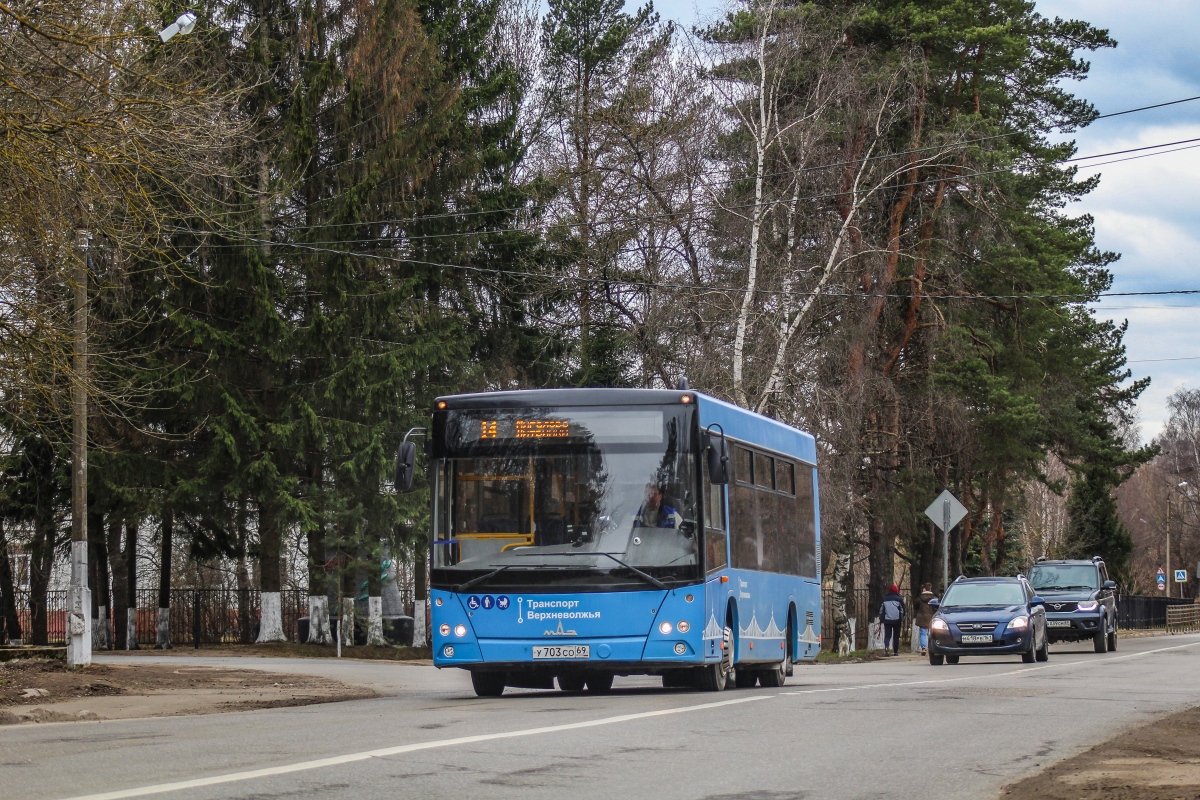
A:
(1100, 640)
(745, 678)
(1030, 655)
(488, 684)
(1112, 639)
(599, 682)
(951, 659)
(935, 658)
(1043, 653)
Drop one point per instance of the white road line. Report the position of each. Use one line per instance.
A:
(1083, 663)
(349, 758)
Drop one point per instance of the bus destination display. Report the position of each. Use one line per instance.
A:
(524, 429)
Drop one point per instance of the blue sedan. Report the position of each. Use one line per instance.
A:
(989, 617)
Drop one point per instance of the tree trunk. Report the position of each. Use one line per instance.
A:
(270, 621)
(164, 580)
(420, 598)
(318, 590)
(131, 549)
(117, 563)
(41, 560)
(242, 573)
(98, 581)
(374, 600)
(843, 594)
(8, 593)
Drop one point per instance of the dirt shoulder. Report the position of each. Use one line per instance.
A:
(1158, 761)
(46, 691)
(414, 655)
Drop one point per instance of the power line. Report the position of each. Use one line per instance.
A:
(460, 214)
(644, 218)
(1076, 298)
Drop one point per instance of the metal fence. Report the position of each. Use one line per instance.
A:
(207, 616)
(1183, 618)
(1137, 611)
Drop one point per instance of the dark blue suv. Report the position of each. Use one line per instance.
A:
(1081, 601)
(988, 617)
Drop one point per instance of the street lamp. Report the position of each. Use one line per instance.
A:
(184, 25)
(79, 599)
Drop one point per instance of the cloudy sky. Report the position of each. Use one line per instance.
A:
(1146, 209)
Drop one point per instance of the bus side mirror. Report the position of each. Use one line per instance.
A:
(406, 466)
(718, 460)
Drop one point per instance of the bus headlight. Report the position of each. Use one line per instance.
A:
(449, 651)
(680, 648)
(460, 630)
(664, 628)
(444, 630)
(684, 626)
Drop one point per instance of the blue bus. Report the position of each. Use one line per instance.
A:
(580, 534)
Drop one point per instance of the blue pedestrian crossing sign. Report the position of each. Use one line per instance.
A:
(1162, 579)
(1181, 576)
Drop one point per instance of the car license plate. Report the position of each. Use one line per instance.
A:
(563, 651)
(977, 638)
(1058, 623)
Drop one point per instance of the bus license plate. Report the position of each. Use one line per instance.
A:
(977, 638)
(563, 651)
(1058, 623)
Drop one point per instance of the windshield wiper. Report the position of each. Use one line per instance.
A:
(650, 579)
(462, 587)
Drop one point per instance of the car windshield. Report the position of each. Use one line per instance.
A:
(566, 496)
(1064, 576)
(983, 594)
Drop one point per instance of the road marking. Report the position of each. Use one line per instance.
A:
(981, 676)
(350, 758)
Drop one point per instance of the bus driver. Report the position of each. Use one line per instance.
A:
(655, 513)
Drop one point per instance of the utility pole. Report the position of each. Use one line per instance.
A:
(79, 620)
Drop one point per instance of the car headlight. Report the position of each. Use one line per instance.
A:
(939, 624)
(1019, 623)
(1087, 605)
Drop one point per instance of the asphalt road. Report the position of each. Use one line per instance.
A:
(895, 728)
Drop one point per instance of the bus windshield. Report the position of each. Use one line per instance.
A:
(602, 497)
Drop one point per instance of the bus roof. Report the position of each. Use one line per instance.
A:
(738, 423)
(755, 429)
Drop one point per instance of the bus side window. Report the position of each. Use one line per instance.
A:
(806, 521)
(715, 551)
(743, 515)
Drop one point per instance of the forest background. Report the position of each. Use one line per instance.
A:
(305, 220)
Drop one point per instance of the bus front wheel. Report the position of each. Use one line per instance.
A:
(712, 677)
(488, 684)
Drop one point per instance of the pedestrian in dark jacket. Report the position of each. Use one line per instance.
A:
(891, 614)
(925, 614)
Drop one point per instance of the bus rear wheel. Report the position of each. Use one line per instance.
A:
(488, 684)
(571, 683)
(599, 682)
(776, 677)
